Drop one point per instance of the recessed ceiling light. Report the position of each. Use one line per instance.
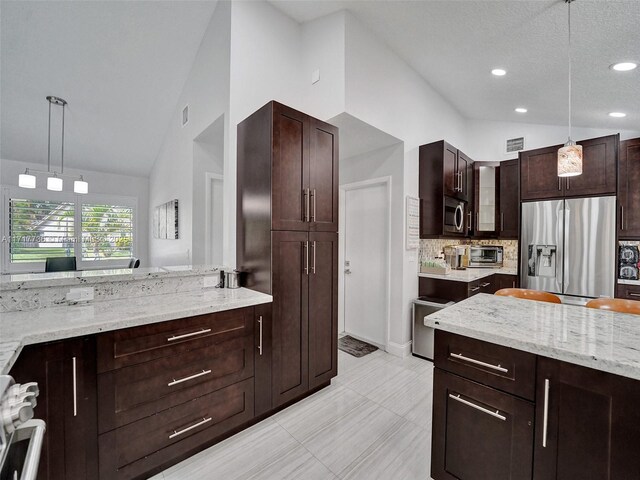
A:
(499, 72)
(617, 114)
(521, 110)
(623, 66)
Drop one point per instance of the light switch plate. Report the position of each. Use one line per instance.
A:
(211, 281)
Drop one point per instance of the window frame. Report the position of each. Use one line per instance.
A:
(9, 192)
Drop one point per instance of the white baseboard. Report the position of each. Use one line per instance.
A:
(399, 349)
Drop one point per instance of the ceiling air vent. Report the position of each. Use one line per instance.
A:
(515, 144)
(185, 115)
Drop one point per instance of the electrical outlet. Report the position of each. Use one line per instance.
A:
(84, 294)
(211, 281)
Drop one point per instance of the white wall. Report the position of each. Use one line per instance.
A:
(206, 91)
(99, 183)
(487, 139)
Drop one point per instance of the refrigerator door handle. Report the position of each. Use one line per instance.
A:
(562, 252)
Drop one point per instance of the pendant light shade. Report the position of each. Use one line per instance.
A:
(26, 180)
(570, 155)
(570, 160)
(80, 186)
(54, 183)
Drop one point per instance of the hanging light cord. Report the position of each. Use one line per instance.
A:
(49, 142)
(62, 157)
(569, 22)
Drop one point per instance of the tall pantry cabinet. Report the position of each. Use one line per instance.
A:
(287, 243)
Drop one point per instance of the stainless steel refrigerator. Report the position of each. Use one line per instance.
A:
(568, 246)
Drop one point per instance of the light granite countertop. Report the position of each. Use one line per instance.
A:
(16, 281)
(18, 329)
(471, 274)
(598, 339)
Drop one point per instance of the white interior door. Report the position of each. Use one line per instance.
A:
(366, 263)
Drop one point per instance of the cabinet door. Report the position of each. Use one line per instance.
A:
(509, 200)
(263, 341)
(66, 376)
(323, 176)
(628, 191)
(450, 178)
(485, 199)
(599, 159)
(488, 285)
(479, 432)
(593, 423)
(505, 281)
(323, 308)
(465, 172)
(539, 174)
(290, 175)
(290, 332)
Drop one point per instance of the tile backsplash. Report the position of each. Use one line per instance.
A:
(432, 248)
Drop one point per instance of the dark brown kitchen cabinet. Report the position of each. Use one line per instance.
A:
(66, 375)
(502, 280)
(444, 171)
(630, 292)
(305, 312)
(509, 199)
(484, 220)
(290, 252)
(263, 354)
(300, 155)
(599, 161)
(591, 430)
(539, 175)
(629, 189)
(479, 432)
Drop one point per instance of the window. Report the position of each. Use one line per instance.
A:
(39, 229)
(107, 231)
(99, 230)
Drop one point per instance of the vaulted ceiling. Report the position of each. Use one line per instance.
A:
(121, 65)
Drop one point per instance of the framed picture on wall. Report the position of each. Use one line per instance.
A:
(165, 220)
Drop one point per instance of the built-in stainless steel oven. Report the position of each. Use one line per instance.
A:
(453, 215)
(21, 437)
(485, 256)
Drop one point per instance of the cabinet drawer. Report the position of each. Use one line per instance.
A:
(131, 346)
(138, 448)
(500, 367)
(630, 292)
(473, 288)
(131, 393)
(479, 432)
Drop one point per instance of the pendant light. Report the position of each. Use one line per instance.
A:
(54, 180)
(570, 155)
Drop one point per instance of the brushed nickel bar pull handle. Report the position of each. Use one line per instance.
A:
(313, 212)
(477, 221)
(187, 335)
(306, 253)
(485, 284)
(545, 415)
(260, 336)
(195, 425)
(568, 185)
(631, 294)
(190, 377)
(559, 183)
(313, 267)
(474, 289)
(460, 175)
(307, 193)
(502, 222)
(621, 217)
(459, 356)
(469, 223)
(75, 388)
(495, 414)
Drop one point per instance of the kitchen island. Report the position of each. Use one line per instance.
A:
(527, 389)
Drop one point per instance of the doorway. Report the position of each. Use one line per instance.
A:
(213, 215)
(364, 246)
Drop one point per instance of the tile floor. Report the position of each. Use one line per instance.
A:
(373, 422)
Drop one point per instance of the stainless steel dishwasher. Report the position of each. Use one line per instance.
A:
(422, 344)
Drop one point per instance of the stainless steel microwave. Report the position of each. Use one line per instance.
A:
(453, 215)
(485, 256)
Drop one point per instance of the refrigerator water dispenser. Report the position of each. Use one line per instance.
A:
(542, 260)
